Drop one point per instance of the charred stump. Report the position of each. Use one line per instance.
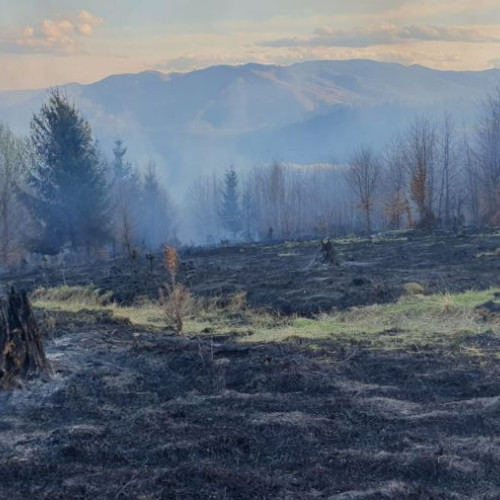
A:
(21, 349)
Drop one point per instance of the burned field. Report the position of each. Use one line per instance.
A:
(287, 277)
(140, 417)
(133, 411)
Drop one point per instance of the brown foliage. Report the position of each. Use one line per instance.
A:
(171, 261)
(179, 302)
(396, 207)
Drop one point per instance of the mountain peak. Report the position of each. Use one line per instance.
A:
(307, 112)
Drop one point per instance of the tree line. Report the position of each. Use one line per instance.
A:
(434, 174)
(58, 191)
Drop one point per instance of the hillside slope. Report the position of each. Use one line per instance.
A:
(308, 112)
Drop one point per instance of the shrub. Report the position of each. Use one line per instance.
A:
(176, 306)
(179, 302)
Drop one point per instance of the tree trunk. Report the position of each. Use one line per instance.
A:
(21, 348)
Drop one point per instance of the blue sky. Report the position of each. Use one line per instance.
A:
(49, 42)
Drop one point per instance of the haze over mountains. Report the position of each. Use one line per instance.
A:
(309, 112)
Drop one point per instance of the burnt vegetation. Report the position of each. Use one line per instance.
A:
(21, 347)
(335, 336)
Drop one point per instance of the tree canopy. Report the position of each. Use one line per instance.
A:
(68, 198)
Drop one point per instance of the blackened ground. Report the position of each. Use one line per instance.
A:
(288, 278)
(131, 414)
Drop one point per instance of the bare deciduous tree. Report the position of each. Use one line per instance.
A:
(396, 205)
(363, 176)
(420, 159)
(448, 166)
(488, 156)
(471, 182)
(12, 213)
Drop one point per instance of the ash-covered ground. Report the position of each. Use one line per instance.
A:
(132, 415)
(287, 277)
(136, 414)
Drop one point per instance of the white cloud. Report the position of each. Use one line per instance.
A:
(191, 62)
(87, 22)
(386, 34)
(59, 34)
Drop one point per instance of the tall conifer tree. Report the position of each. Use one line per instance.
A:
(69, 190)
(230, 212)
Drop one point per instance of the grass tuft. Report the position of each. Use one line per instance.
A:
(414, 289)
(75, 295)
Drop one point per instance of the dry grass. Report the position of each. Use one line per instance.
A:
(76, 295)
(447, 303)
(413, 289)
(206, 316)
(237, 302)
(177, 305)
(415, 320)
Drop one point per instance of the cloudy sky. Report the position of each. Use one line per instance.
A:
(49, 42)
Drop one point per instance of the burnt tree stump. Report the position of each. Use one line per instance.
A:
(21, 349)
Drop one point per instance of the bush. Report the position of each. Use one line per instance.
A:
(176, 306)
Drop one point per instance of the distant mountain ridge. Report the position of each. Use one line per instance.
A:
(308, 112)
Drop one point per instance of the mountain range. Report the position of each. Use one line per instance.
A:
(310, 112)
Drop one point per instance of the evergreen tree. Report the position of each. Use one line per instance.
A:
(122, 169)
(125, 199)
(229, 212)
(68, 199)
(156, 211)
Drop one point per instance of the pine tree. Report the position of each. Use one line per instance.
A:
(229, 212)
(156, 211)
(122, 169)
(125, 198)
(67, 178)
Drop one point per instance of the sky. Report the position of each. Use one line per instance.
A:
(46, 43)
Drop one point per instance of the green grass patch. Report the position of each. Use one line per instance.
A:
(417, 320)
(413, 321)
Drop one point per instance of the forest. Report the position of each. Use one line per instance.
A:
(59, 192)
